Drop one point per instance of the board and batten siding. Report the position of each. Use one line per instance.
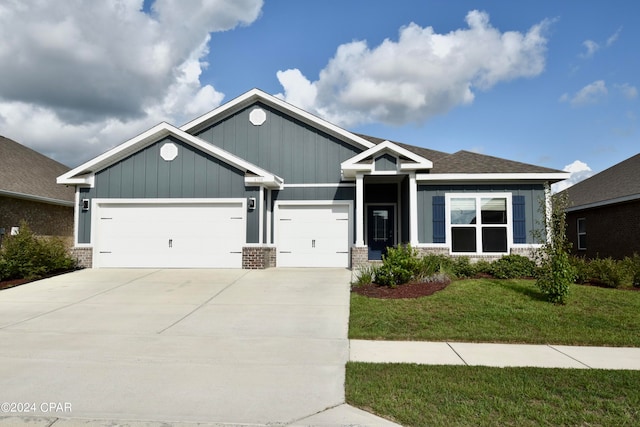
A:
(282, 145)
(533, 194)
(192, 174)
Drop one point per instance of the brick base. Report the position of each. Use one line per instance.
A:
(258, 257)
(359, 256)
(83, 256)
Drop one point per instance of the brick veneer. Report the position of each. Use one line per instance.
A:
(258, 257)
(360, 255)
(43, 219)
(83, 255)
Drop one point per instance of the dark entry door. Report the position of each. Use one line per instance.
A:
(380, 230)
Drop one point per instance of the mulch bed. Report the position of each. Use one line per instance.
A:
(407, 290)
(11, 283)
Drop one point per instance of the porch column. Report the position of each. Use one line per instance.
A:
(413, 210)
(359, 209)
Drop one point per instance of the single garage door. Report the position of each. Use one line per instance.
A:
(169, 234)
(313, 235)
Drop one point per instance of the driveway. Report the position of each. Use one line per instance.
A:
(228, 346)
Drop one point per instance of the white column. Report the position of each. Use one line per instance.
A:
(260, 205)
(359, 209)
(413, 210)
(268, 211)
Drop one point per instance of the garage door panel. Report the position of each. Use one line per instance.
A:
(313, 236)
(180, 235)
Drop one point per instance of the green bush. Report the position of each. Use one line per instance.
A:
(364, 275)
(399, 265)
(27, 256)
(462, 267)
(554, 276)
(432, 264)
(609, 272)
(483, 266)
(513, 267)
(581, 269)
(632, 265)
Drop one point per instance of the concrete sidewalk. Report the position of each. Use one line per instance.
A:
(496, 355)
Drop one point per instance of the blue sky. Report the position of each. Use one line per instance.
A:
(553, 83)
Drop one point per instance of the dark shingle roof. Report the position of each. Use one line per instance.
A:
(467, 162)
(619, 181)
(27, 172)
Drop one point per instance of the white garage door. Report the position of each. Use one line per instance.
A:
(313, 235)
(169, 234)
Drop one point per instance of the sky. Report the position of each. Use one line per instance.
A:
(552, 83)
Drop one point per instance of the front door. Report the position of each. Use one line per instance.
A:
(380, 230)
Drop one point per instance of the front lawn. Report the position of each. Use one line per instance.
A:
(415, 395)
(506, 311)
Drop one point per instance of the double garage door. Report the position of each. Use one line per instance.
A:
(170, 234)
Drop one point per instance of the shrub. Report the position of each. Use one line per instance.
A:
(364, 275)
(483, 267)
(609, 272)
(632, 265)
(399, 265)
(28, 256)
(512, 267)
(581, 269)
(461, 267)
(432, 264)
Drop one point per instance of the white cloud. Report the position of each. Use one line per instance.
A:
(579, 172)
(591, 46)
(628, 91)
(614, 37)
(96, 73)
(420, 75)
(592, 93)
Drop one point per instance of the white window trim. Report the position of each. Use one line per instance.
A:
(478, 226)
(578, 233)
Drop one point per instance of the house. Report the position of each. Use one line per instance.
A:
(603, 215)
(28, 191)
(258, 182)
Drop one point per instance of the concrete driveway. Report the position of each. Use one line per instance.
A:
(227, 346)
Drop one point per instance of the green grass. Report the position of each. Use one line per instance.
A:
(508, 311)
(415, 395)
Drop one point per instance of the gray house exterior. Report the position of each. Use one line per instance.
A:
(258, 183)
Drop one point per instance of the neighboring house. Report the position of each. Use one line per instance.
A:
(603, 216)
(28, 191)
(258, 182)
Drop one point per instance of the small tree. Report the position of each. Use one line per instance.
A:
(555, 270)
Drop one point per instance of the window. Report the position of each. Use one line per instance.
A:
(582, 234)
(479, 223)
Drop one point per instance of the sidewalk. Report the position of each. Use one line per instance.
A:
(496, 355)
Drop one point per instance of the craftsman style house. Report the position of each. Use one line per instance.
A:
(258, 182)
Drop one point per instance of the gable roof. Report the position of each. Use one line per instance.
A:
(27, 174)
(363, 162)
(466, 165)
(619, 183)
(257, 95)
(84, 174)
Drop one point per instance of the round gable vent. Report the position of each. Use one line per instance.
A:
(257, 116)
(169, 151)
